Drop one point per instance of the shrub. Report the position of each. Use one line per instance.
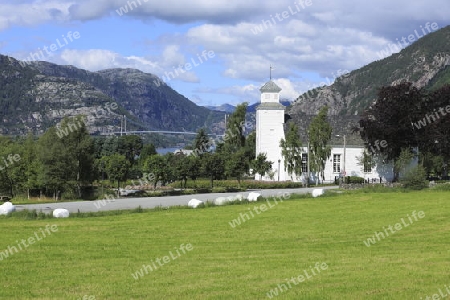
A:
(442, 187)
(414, 179)
(219, 189)
(354, 179)
(232, 185)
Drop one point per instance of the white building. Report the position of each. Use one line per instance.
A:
(270, 119)
(270, 128)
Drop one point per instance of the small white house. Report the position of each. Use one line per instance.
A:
(343, 161)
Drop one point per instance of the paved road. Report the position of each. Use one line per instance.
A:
(151, 202)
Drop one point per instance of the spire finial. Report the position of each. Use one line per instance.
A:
(271, 72)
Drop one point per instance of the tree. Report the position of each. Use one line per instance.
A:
(202, 142)
(261, 165)
(433, 165)
(58, 166)
(130, 146)
(403, 161)
(366, 161)
(32, 165)
(117, 168)
(235, 131)
(237, 165)
(156, 165)
(213, 166)
(250, 146)
(12, 175)
(194, 167)
(80, 152)
(291, 150)
(147, 151)
(391, 118)
(434, 137)
(319, 133)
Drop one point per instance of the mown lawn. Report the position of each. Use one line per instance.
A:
(96, 256)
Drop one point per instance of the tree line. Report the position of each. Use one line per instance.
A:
(411, 122)
(54, 164)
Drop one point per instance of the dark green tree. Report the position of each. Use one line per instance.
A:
(156, 165)
(117, 168)
(80, 152)
(213, 166)
(235, 130)
(147, 151)
(130, 146)
(202, 142)
(261, 165)
(237, 165)
(58, 166)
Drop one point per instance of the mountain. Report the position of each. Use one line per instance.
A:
(252, 108)
(37, 95)
(227, 108)
(426, 63)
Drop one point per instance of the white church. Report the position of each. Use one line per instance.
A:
(270, 121)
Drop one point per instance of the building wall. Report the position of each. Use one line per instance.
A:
(269, 132)
(333, 168)
(270, 98)
(351, 165)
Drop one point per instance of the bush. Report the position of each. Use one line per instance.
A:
(232, 185)
(354, 179)
(442, 187)
(219, 189)
(414, 179)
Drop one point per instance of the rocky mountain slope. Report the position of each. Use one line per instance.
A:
(426, 63)
(37, 95)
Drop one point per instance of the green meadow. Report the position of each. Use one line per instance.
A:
(185, 253)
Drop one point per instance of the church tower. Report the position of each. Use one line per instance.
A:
(270, 129)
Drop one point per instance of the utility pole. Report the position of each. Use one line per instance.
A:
(345, 144)
(125, 122)
(307, 160)
(279, 161)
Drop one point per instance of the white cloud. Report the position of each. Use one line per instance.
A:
(289, 90)
(320, 39)
(100, 59)
(34, 13)
(93, 60)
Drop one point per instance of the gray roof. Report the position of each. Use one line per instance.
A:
(271, 106)
(270, 87)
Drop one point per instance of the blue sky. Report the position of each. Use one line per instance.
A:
(308, 42)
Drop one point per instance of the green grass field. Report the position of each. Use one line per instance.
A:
(96, 257)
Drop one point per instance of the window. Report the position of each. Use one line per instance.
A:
(267, 96)
(304, 162)
(336, 163)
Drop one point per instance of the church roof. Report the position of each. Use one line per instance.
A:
(271, 106)
(270, 87)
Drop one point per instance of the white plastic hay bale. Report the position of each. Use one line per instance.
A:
(61, 213)
(221, 201)
(7, 208)
(253, 196)
(232, 198)
(317, 192)
(194, 203)
(239, 197)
